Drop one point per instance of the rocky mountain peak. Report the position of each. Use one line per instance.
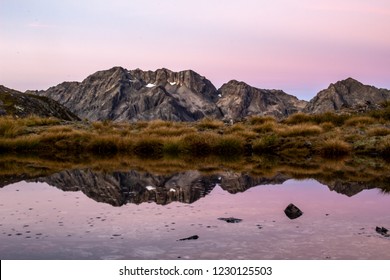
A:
(238, 100)
(347, 95)
(131, 95)
(167, 78)
(121, 94)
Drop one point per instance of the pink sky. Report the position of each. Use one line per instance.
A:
(298, 46)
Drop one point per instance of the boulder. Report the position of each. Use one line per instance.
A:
(292, 211)
(231, 220)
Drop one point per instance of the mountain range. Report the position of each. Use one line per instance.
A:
(119, 94)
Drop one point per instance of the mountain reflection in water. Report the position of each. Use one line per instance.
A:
(56, 216)
(119, 188)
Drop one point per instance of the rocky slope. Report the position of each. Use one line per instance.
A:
(239, 100)
(119, 94)
(347, 95)
(15, 103)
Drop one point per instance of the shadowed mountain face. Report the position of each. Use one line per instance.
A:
(119, 94)
(239, 100)
(348, 95)
(15, 103)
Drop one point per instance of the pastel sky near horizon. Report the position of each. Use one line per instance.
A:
(298, 46)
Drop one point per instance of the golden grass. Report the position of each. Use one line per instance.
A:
(378, 131)
(384, 147)
(298, 118)
(265, 145)
(267, 126)
(209, 124)
(304, 129)
(255, 120)
(335, 148)
(299, 136)
(359, 121)
(10, 127)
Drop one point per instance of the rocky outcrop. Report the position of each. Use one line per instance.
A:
(347, 95)
(15, 103)
(119, 94)
(239, 100)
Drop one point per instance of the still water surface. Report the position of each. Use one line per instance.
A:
(41, 221)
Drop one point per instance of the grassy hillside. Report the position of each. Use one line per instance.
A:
(300, 136)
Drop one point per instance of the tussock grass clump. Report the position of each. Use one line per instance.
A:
(384, 147)
(359, 121)
(327, 126)
(199, 144)
(336, 119)
(10, 127)
(160, 123)
(229, 146)
(265, 145)
(298, 118)
(72, 142)
(39, 121)
(237, 127)
(378, 131)
(105, 125)
(210, 124)
(253, 120)
(20, 144)
(50, 137)
(172, 147)
(59, 129)
(105, 145)
(146, 147)
(268, 126)
(304, 129)
(334, 148)
(98, 125)
(383, 113)
(169, 131)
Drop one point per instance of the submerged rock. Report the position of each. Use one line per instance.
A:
(230, 220)
(193, 237)
(292, 211)
(382, 231)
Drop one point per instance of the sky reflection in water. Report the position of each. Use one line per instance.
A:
(39, 221)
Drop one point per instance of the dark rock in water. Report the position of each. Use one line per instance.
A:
(383, 231)
(292, 211)
(230, 220)
(193, 237)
